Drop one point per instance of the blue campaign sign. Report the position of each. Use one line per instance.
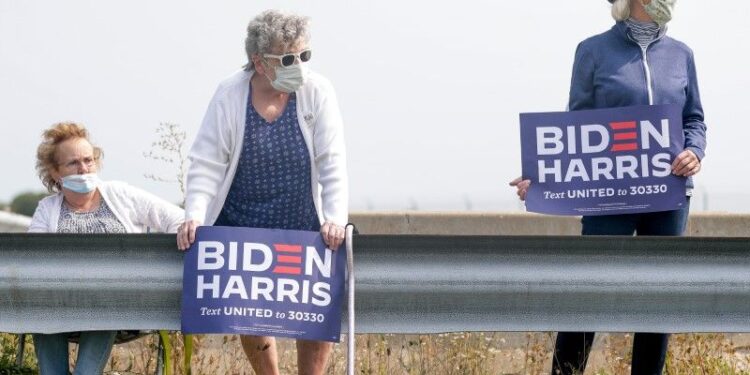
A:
(603, 161)
(263, 282)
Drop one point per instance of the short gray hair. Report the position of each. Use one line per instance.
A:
(274, 27)
(621, 10)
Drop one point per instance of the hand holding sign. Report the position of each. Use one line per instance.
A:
(333, 235)
(686, 164)
(186, 234)
(522, 187)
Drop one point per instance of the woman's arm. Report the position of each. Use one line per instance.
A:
(582, 80)
(688, 162)
(692, 115)
(330, 159)
(209, 159)
(154, 212)
(40, 220)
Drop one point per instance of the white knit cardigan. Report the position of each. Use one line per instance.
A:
(216, 151)
(136, 209)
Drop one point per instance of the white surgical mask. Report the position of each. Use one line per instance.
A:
(289, 78)
(81, 183)
(660, 10)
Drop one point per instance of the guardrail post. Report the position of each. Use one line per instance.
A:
(351, 354)
(20, 350)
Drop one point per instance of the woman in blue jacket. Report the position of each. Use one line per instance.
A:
(634, 63)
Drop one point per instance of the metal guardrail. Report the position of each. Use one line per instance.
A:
(406, 284)
(57, 283)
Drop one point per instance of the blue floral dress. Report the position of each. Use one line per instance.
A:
(272, 186)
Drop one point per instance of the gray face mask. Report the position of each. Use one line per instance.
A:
(660, 10)
(289, 78)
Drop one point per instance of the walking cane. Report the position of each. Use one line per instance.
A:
(351, 356)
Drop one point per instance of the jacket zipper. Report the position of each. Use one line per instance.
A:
(646, 67)
(644, 54)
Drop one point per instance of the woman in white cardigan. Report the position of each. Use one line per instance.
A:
(270, 154)
(67, 164)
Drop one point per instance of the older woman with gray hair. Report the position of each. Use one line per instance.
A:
(270, 154)
(635, 63)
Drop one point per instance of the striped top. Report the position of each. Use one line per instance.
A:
(642, 32)
(100, 220)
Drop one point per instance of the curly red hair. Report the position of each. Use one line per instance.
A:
(46, 153)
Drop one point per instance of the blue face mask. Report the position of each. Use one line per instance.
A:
(81, 183)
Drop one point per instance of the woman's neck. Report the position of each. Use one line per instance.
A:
(82, 202)
(261, 85)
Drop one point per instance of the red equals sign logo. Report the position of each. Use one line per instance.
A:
(288, 259)
(624, 136)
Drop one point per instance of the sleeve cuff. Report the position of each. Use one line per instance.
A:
(698, 152)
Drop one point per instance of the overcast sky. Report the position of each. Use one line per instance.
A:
(430, 91)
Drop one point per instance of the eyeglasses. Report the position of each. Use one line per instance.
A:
(88, 162)
(288, 59)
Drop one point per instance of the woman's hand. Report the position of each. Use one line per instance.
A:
(521, 186)
(333, 235)
(686, 164)
(186, 234)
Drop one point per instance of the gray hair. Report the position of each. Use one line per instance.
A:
(621, 10)
(272, 28)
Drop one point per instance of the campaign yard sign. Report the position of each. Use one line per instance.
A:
(603, 161)
(263, 282)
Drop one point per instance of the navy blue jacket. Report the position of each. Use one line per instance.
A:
(609, 71)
